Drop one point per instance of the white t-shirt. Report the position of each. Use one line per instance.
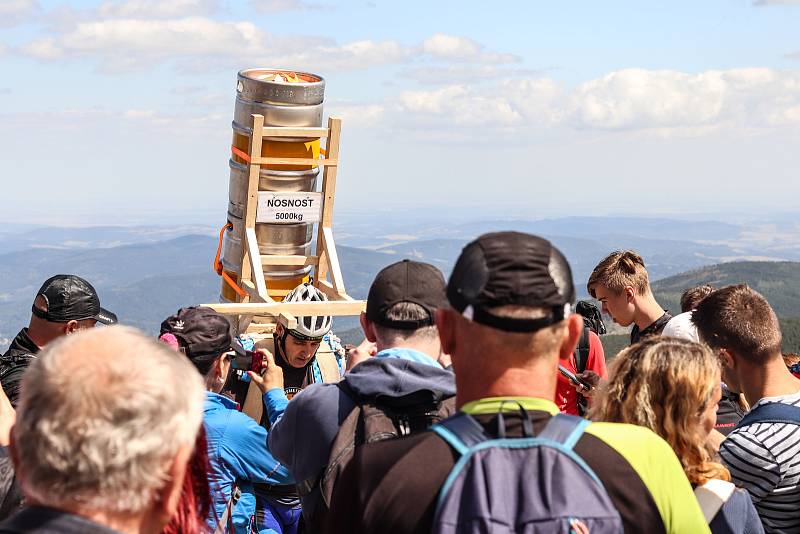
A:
(764, 458)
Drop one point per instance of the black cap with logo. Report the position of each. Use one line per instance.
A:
(201, 331)
(406, 281)
(67, 297)
(511, 269)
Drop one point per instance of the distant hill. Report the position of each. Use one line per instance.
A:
(778, 281)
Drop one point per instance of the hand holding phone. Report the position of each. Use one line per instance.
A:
(572, 377)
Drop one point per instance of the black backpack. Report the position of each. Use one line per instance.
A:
(375, 419)
(592, 320)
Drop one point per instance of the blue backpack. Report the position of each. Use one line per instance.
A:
(530, 485)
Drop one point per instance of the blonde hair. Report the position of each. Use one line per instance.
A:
(665, 384)
(619, 270)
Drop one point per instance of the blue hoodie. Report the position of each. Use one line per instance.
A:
(301, 438)
(237, 450)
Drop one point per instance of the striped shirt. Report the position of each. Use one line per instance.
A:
(764, 458)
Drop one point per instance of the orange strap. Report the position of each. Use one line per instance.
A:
(244, 155)
(218, 264)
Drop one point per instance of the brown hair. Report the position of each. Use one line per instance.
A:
(692, 296)
(739, 319)
(618, 270)
(665, 384)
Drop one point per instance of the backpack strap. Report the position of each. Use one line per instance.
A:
(774, 412)
(564, 429)
(461, 432)
(582, 351)
(712, 496)
(328, 367)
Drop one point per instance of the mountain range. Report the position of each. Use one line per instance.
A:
(146, 273)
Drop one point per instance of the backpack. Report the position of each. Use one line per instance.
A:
(592, 317)
(379, 419)
(592, 320)
(537, 484)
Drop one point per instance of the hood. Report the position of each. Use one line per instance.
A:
(395, 377)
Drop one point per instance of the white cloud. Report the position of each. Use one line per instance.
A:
(276, 6)
(156, 9)
(455, 48)
(667, 103)
(15, 12)
(358, 115)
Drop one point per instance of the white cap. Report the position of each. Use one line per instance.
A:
(681, 326)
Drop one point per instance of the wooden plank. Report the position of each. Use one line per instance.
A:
(255, 263)
(251, 290)
(288, 320)
(286, 131)
(325, 162)
(333, 295)
(336, 308)
(289, 259)
(251, 203)
(328, 192)
(333, 261)
(261, 328)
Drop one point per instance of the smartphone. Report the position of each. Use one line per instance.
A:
(572, 377)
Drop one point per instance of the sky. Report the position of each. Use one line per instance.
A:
(114, 112)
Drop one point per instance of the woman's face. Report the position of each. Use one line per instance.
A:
(709, 416)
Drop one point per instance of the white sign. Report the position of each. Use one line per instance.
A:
(288, 208)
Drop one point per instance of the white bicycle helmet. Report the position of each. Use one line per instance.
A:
(310, 327)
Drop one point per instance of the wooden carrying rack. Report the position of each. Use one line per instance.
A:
(255, 300)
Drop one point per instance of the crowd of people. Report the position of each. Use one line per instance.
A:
(481, 403)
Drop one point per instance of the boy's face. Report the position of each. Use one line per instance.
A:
(619, 306)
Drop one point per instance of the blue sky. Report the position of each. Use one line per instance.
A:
(119, 111)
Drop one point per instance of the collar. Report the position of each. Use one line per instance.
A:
(220, 400)
(408, 354)
(24, 341)
(510, 404)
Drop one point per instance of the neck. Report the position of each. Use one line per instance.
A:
(430, 347)
(40, 336)
(647, 312)
(770, 380)
(536, 378)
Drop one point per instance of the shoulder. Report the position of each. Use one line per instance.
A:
(750, 447)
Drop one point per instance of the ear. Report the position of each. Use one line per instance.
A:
(630, 294)
(446, 325)
(70, 327)
(727, 359)
(368, 327)
(168, 497)
(573, 334)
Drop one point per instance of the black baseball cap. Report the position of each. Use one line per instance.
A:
(406, 281)
(511, 268)
(70, 298)
(200, 331)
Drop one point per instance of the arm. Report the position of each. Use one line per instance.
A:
(245, 450)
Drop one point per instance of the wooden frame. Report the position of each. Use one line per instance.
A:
(324, 261)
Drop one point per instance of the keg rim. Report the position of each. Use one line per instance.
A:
(309, 79)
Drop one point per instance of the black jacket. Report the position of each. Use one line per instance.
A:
(43, 520)
(14, 362)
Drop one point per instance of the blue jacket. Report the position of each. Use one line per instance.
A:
(301, 438)
(238, 450)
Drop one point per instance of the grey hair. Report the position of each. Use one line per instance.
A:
(405, 311)
(102, 415)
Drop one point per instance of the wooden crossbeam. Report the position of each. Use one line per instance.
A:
(283, 131)
(335, 308)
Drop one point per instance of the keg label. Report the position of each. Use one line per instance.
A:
(288, 208)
